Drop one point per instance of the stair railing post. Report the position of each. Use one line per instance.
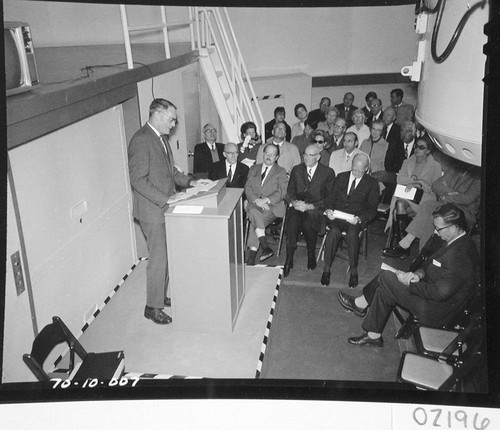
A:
(126, 36)
(165, 32)
(191, 27)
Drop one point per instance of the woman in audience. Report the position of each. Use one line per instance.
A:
(418, 171)
(301, 114)
(250, 144)
(359, 128)
(327, 126)
(318, 138)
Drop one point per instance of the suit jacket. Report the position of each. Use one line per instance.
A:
(404, 112)
(363, 202)
(449, 275)
(153, 176)
(203, 157)
(289, 156)
(395, 154)
(369, 118)
(274, 187)
(315, 192)
(347, 117)
(239, 175)
(315, 116)
(268, 130)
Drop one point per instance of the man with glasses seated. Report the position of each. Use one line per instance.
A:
(230, 168)
(431, 293)
(354, 193)
(265, 191)
(337, 139)
(207, 153)
(341, 159)
(319, 139)
(310, 183)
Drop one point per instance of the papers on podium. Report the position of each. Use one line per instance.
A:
(208, 195)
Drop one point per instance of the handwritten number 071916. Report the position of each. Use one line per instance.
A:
(447, 419)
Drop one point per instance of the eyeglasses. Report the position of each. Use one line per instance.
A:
(338, 126)
(306, 155)
(171, 118)
(438, 229)
(231, 153)
(318, 141)
(380, 130)
(270, 154)
(423, 147)
(211, 130)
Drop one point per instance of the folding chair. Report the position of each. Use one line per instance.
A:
(104, 366)
(363, 239)
(279, 222)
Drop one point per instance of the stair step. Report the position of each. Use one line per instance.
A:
(219, 73)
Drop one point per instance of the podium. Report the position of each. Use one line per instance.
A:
(205, 262)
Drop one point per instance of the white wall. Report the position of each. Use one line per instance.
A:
(325, 41)
(315, 41)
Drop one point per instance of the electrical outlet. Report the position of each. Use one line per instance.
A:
(18, 272)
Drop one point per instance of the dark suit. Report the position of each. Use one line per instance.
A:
(347, 116)
(153, 178)
(203, 159)
(268, 130)
(395, 154)
(239, 174)
(369, 118)
(315, 116)
(315, 192)
(450, 276)
(363, 203)
(274, 188)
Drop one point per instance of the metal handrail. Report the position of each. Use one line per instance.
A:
(236, 73)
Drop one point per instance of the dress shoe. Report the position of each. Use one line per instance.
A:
(311, 262)
(364, 339)
(348, 303)
(266, 253)
(325, 278)
(353, 280)
(167, 302)
(396, 251)
(286, 269)
(157, 315)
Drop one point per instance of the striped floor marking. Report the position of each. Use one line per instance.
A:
(133, 375)
(100, 308)
(268, 326)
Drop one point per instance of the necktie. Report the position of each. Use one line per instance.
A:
(406, 150)
(353, 186)
(170, 157)
(263, 175)
(213, 147)
(230, 174)
(309, 175)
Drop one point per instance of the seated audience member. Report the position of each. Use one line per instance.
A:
(318, 138)
(375, 112)
(396, 150)
(318, 115)
(460, 185)
(354, 193)
(359, 127)
(419, 171)
(432, 293)
(376, 148)
(265, 190)
(279, 116)
(339, 128)
(341, 159)
(327, 126)
(301, 113)
(207, 153)
(250, 144)
(368, 99)
(346, 109)
(235, 172)
(310, 183)
(303, 140)
(289, 154)
(404, 111)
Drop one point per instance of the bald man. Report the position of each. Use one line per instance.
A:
(310, 184)
(354, 193)
(235, 172)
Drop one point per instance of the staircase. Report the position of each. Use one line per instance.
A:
(220, 59)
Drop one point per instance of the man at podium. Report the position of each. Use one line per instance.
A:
(153, 178)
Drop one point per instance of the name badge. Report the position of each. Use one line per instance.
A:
(436, 263)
